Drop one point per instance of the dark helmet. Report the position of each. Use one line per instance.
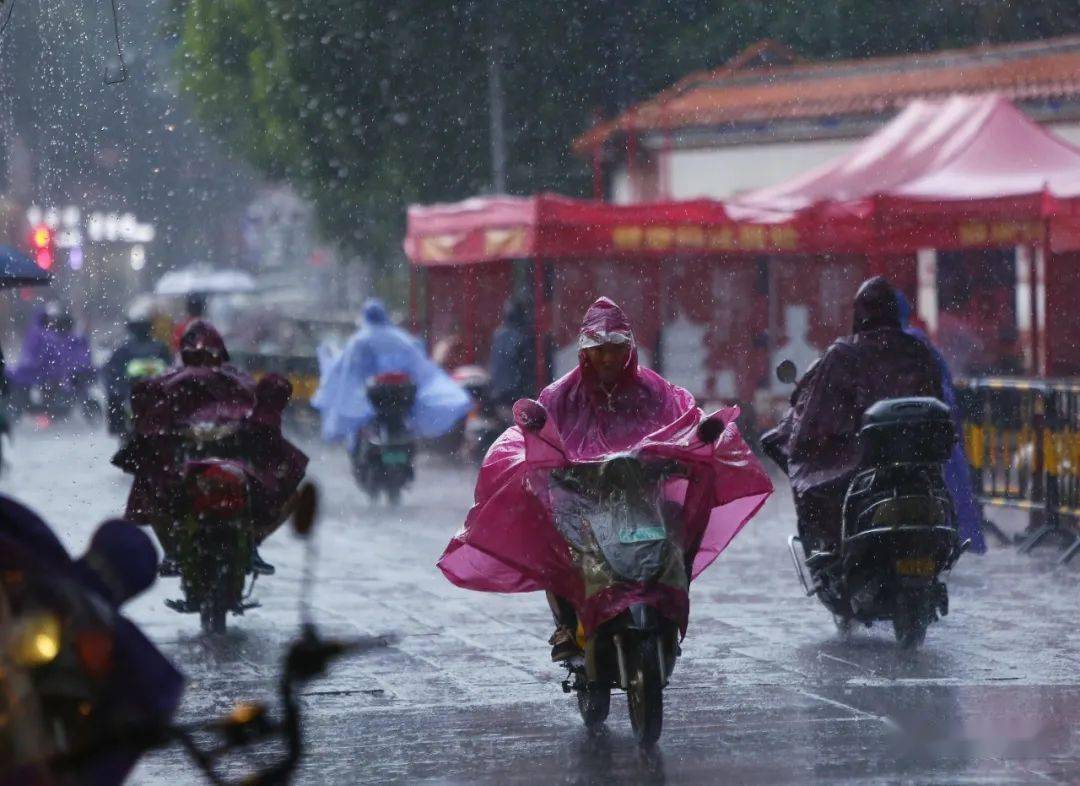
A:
(202, 345)
(139, 322)
(876, 306)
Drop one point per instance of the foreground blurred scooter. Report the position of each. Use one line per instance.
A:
(60, 684)
(899, 533)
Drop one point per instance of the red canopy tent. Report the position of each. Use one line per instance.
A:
(582, 248)
(964, 173)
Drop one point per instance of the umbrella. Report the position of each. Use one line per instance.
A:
(204, 281)
(19, 270)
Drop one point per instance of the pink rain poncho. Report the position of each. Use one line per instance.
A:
(509, 542)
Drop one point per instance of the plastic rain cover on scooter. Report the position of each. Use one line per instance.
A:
(545, 522)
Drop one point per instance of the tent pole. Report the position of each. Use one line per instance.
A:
(414, 323)
(540, 322)
(597, 167)
(470, 313)
(1033, 299)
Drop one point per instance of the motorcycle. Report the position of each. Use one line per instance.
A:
(899, 534)
(57, 398)
(626, 538)
(55, 685)
(487, 421)
(215, 527)
(382, 460)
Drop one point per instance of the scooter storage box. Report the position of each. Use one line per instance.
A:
(903, 430)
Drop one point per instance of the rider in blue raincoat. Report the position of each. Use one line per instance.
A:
(957, 473)
(379, 347)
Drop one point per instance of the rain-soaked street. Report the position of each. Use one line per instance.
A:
(463, 692)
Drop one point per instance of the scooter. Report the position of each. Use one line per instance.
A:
(55, 679)
(899, 534)
(487, 421)
(382, 460)
(625, 537)
(215, 529)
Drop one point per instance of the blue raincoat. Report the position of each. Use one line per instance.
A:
(380, 348)
(957, 471)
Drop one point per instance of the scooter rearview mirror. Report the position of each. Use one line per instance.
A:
(787, 372)
(529, 415)
(306, 510)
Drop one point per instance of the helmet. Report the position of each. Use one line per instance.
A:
(202, 345)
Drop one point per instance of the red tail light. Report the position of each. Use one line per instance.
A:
(95, 650)
(392, 378)
(218, 490)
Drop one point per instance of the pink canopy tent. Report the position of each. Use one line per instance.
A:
(961, 173)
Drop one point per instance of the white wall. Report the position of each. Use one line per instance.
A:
(1070, 132)
(724, 171)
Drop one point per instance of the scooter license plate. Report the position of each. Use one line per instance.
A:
(921, 567)
(642, 534)
(395, 457)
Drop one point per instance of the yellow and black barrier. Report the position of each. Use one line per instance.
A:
(1022, 438)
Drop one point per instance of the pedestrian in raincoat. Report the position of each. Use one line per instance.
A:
(607, 404)
(379, 347)
(512, 351)
(819, 434)
(957, 470)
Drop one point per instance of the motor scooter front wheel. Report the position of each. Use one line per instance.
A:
(214, 611)
(645, 693)
(594, 703)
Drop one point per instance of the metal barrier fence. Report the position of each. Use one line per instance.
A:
(1022, 439)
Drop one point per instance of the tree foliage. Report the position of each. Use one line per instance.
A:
(368, 107)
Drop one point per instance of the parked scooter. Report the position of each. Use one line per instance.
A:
(382, 460)
(899, 532)
(487, 421)
(625, 535)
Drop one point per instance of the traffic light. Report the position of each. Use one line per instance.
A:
(41, 241)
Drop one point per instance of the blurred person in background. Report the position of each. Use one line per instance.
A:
(957, 471)
(380, 347)
(512, 365)
(194, 309)
(139, 356)
(55, 358)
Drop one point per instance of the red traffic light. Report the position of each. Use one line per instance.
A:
(41, 239)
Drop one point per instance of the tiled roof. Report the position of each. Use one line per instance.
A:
(767, 82)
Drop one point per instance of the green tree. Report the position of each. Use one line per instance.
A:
(368, 108)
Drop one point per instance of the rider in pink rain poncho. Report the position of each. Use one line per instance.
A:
(607, 405)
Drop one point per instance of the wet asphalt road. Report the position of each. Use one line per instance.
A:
(462, 692)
